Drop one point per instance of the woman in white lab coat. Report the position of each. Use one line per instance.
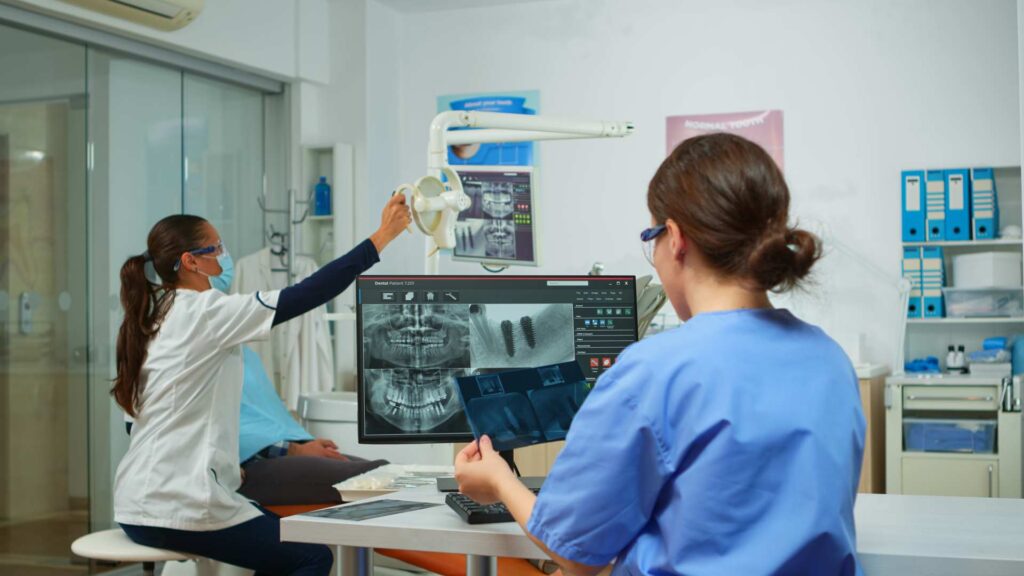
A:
(179, 375)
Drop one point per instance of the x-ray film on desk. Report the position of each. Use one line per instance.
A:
(519, 408)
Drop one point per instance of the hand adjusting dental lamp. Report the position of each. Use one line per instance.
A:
(436, 204)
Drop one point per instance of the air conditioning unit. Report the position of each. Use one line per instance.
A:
(159, 14)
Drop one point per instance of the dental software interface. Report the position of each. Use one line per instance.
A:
(418, 333)
(498, 226)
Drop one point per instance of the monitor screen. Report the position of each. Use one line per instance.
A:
(498, 227)
(418, 333)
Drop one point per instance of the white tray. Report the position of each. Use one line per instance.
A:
(390, 478)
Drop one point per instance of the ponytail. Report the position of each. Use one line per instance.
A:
(138, 298)
(145, 303)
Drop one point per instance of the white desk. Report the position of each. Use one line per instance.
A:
(896, 535)
(437, 529)
(939, 535)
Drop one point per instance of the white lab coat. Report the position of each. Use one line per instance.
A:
(308, 358)
(253, 273)
(299, 354)
(181, 470)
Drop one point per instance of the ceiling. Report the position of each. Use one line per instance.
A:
(441, 5)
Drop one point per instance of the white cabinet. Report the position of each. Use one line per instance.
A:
(952, 398)
(945, 475)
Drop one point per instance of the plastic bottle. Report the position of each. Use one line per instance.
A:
(951, 359)
(322, 198)
(961, 359)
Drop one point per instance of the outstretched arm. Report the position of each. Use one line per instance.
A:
(337, 275)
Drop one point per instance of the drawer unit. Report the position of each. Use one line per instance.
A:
(961, 398)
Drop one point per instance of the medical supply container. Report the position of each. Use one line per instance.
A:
(984, 302)
(933, 435)
(987, 270)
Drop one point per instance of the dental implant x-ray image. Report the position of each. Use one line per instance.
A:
(520, 335)
(487, 229)
(486, 238)
(411, 353)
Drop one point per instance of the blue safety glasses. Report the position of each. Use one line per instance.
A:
(212, 251)
(647, 237)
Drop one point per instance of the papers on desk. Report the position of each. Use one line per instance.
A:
(367, 510)
(391, 478)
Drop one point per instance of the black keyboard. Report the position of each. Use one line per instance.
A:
(472, 512)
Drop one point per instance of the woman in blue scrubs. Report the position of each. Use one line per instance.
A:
(730, 445)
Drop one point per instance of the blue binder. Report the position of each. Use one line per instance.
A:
(912, 272)
(984, 204)
(958, 204)
(933, 277)
(913, 206)
(935, 205)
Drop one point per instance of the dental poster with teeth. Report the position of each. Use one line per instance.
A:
(519, 408)
(763, 127)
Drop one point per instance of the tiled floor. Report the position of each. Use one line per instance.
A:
(43, 547)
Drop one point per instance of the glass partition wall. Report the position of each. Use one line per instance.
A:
(95, 147)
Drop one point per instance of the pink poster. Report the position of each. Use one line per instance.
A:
(763, 127)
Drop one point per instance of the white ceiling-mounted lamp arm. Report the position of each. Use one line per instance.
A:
(492, 127)
(500, 127)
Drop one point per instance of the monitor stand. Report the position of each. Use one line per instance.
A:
(448, 484)
(509, 457)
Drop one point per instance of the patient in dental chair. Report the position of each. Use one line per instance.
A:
(282, 463)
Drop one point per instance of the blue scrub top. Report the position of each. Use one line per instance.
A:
(264, 419)
(730, 445)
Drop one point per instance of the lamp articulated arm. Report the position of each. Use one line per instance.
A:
(440, 202)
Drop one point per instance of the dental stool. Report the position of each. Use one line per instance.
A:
(115, 546)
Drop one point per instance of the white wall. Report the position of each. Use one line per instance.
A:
(867, 88)
(286, 39)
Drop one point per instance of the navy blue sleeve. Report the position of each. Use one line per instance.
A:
(326, 283)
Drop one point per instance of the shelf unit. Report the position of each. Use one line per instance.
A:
(958, 474)
(981, 244)
(947, 321)
(932, 336)
(325, 237)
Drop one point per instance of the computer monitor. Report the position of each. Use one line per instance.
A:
(498, 227)
(418, 333)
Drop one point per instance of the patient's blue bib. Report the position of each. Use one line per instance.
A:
(265, 420)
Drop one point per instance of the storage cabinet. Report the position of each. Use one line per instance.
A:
(974, 401)
(950, 416)
(945, 475)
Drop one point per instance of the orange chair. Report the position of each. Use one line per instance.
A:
(438, 562)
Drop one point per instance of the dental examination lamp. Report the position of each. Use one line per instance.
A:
(436, 204)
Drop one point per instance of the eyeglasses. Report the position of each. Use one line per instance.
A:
(211, 251)
(647, 237)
